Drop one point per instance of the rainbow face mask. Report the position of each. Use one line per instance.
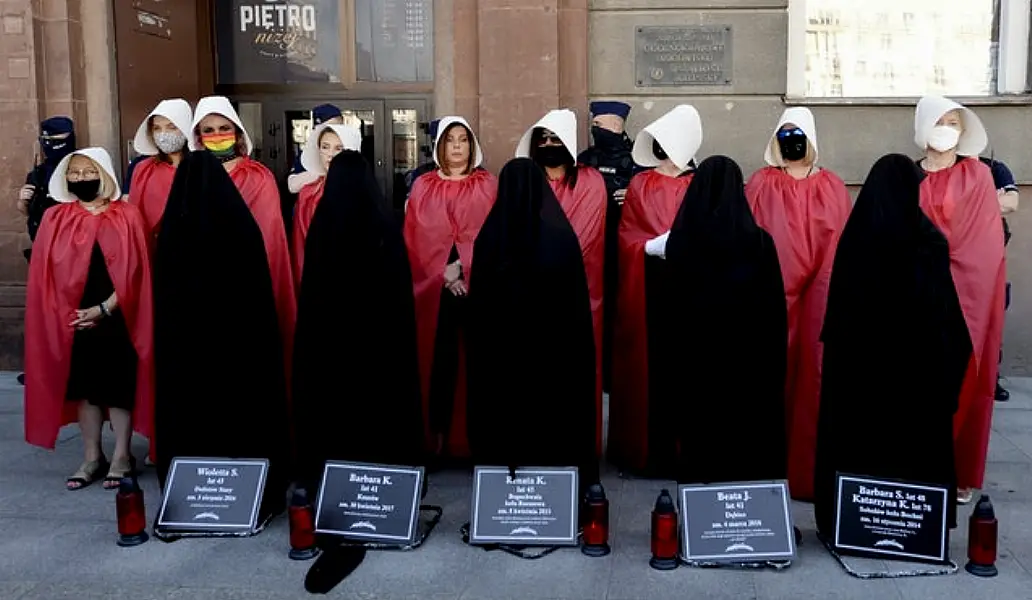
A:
(222, 145)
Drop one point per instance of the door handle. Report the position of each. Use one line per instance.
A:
(274, 129)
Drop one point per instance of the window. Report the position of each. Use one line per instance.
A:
(885, 48)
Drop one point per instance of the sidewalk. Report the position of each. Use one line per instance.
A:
(56, 544)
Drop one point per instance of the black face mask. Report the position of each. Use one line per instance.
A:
(605, 138)
(793, 146)
(658, 150)
(85, 190)
(553, 156)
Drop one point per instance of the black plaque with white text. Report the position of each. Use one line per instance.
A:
(891, 519)
(736, 522)
(369, 503)
(538, 507)
(214, 495)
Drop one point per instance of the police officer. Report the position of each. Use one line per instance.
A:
(56, 140)
(610, 153)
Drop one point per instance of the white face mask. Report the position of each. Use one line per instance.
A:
(169, 141)
(943, 138)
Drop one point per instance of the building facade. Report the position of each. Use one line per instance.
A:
(393, 65)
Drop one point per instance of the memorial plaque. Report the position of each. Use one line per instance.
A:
(736, 522)
(370, 503)
(538, 507)
(682, 56)
(891, 519)
(217, 495)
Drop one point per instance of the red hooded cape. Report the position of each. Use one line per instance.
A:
(307, 201)
(805, 218)
(585, 207)
(649, 210)
(442, 213)
(152, 181)
(962, 203)
(57, 277)
(259, 190)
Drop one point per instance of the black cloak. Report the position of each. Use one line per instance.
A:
(219, 364)
(356, 372)
(726, 335)
(896, 346)
(531, 348)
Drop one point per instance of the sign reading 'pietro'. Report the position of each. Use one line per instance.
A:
(277, 41)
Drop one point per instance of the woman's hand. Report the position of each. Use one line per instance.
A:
(452, 273)
(458, 288)
(86, 318)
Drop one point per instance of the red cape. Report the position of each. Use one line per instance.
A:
(805, 218)
(962, 203)
(152, 181)
(307, 201)
(649, 209)
(258, 188)
(57, 277)
(442, 213)
(585, 207)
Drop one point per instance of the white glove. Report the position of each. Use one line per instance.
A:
(299, 180)
(657, 246)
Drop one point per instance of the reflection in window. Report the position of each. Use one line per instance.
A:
(394, 40)
(925, 47)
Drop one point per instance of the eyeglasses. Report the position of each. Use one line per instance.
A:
(550, 139)
(784, 133)
(86, 174)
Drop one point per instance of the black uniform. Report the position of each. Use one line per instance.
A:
(611, 155)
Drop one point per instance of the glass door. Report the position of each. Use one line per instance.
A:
(287, 125)
(408, 146)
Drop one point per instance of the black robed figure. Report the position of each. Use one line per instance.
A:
(219, 364)
(531, 359)
(895, 345)
(726, 335)
(356, 371)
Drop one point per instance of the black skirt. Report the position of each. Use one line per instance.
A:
(103, 357)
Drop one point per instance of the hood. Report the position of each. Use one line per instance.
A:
(443, 126)
(216, 105)
(562, 122)
(802, 118)
(930, 109)
(59, 187)
(176, 110)
(679, 132)
(350, 137)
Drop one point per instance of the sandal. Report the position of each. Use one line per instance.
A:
(87, 473)
(118, 470)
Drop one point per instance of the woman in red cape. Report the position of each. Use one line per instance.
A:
(162, 137)
(217, 128)
(325, 142)
(804, 208)
(445, 211)
(640, 439)
(959, 197)
(89, 312)
(581, 191)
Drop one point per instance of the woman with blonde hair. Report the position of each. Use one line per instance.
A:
(959, 197)
(89, 313)
(804, 208)
(162, 138)
(325, 142)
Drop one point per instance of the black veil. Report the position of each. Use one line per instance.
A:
(356, 379)
(895, 344)
(727, 324)
(531, 352)
(219, 364)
